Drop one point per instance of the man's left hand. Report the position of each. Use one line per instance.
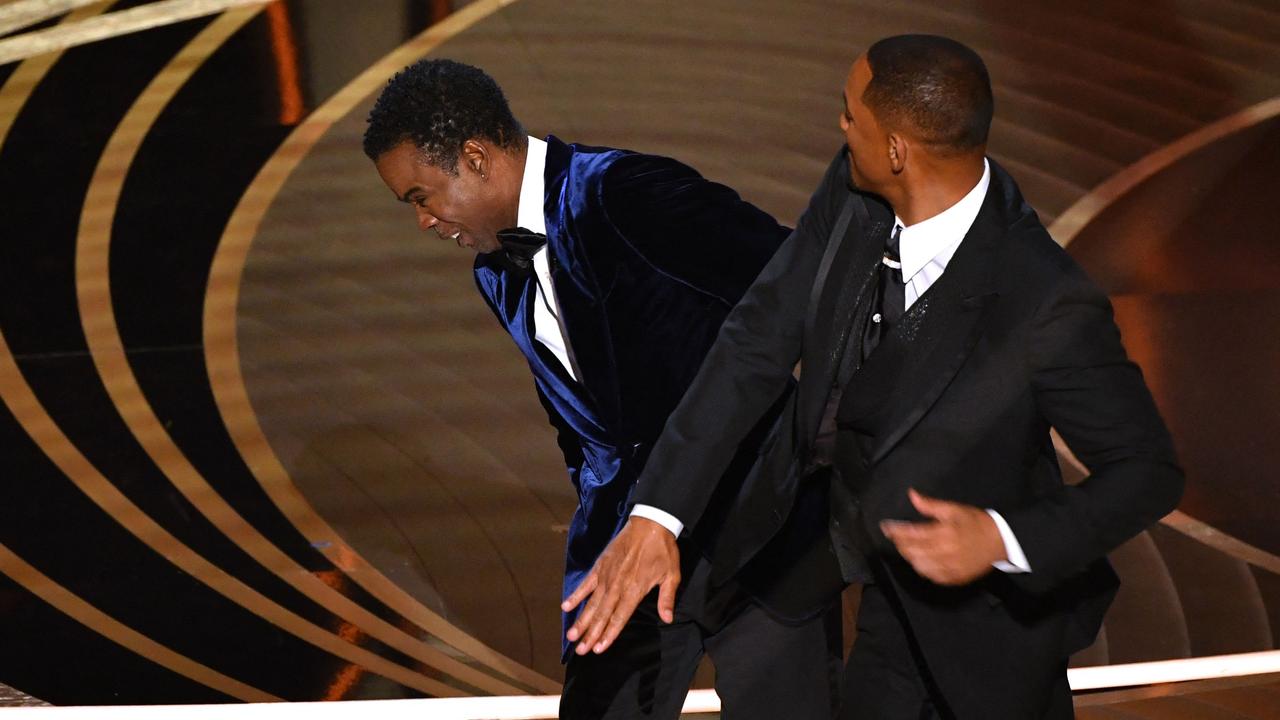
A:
(956, 546)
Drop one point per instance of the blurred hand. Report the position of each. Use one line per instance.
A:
(642, 556)
(956, 546)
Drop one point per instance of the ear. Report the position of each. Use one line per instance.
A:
(475, 157)
(898, 150)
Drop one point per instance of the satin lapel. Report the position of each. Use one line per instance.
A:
(851, 277)
(578, 294)
(912, 367)
(513, 297)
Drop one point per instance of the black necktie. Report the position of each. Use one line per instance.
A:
(518, 248)
(891, 296)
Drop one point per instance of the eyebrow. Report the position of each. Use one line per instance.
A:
(416, 188)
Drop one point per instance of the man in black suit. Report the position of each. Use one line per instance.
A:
(612, 272)
(941, 334)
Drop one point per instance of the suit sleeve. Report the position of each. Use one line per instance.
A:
(690, 228)
(1086, 387)
(747, 368)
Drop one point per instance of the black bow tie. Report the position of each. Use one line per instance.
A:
(518, 248)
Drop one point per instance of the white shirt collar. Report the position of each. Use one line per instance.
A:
(938, 238)
(529, 212)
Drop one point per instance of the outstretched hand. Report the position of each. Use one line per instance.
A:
(955, 546)
(643, 555)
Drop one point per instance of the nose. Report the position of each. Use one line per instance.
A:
(426, 220)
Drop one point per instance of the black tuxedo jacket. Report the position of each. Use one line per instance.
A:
(957, 402)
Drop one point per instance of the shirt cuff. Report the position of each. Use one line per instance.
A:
(663, 518)
(1016, 560)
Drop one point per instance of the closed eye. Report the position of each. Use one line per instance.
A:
(415, 196)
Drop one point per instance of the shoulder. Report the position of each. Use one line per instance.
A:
(1044, 281)
(638, 178)
(590, 166)
(592, 179)
(641, 189)
(1032, 261)
(1035, 257)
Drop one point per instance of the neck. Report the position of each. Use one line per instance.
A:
(512, 175)
(934, 186)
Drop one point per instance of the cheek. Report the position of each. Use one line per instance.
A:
(453, 206)
(466, 204)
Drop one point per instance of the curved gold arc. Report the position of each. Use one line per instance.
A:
(18, 14)
(22, 403)
(93, 290)
(91, 617)
(1070, 223)
(223, 360)
(123, 22)
(97, 314)
(1195, 529)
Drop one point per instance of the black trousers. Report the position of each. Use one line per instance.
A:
(886, 677)
(765, 669)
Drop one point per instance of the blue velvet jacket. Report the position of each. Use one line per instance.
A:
(647, 259)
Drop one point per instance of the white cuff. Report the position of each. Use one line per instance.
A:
(1016, 559)
(662, 517)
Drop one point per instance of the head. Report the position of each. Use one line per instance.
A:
(445, 142)
(912, 103)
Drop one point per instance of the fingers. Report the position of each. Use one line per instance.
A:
(945, 549)
(595, 619)
(910, 531)
(615, 609)
(618, 620)
(580, 593)
(667, 598)
(930, 507)
(918, 543)
(583, 625)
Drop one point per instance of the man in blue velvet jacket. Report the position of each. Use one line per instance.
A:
(613, 272)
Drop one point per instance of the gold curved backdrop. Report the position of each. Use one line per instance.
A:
(257, 421)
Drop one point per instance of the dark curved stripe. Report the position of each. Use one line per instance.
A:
(69, 382)
(94, 244)
(225, 369)
(97, 671)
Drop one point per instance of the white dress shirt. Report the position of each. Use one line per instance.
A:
(547, 328)
(925, 249)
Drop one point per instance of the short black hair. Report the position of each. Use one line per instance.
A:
(438, 105)
(933, 85)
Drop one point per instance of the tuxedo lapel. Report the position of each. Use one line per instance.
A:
(849, 280)
(513, 298)
(915, 363)
(582, 311)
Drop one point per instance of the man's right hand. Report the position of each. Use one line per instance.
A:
(642, 556)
